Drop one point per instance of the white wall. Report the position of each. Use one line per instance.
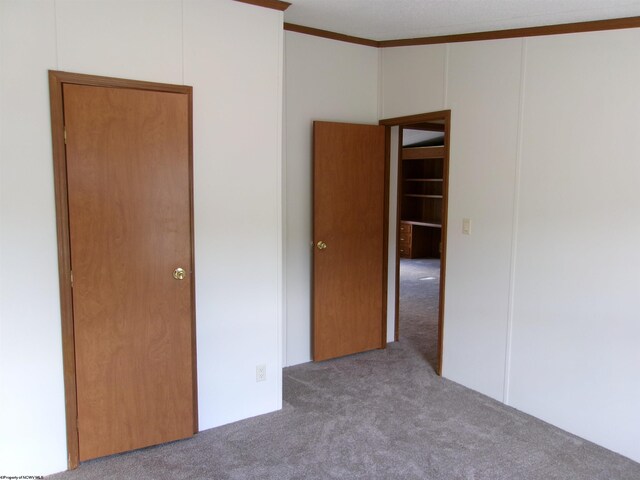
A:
(576, 322)
(237, 132)
(231, 53)
(483, 94)
(32, 420)
(412, 80)
(480, 82)
(324, 80)
(542, 297)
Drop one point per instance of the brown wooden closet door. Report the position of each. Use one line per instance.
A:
(130, 228)
(348, 217)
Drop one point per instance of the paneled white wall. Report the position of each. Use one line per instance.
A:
(238, 211)
(544, 162)
(237, 182)
(576, 324)
(542, 298)
(32, 420)
(418, 70)
(324, 80)
(139, 40)
(483, 94)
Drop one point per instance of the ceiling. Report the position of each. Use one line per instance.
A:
(396, 19)
(421, 137)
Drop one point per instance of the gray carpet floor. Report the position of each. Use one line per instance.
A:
(419, 291)
(377, 415)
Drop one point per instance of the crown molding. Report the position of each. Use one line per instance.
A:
(560, 29)
(564, 28)
(273, 4)
(316, 32)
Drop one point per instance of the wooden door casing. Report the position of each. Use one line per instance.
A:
(128, 173)
(439, 121)
(349, 216)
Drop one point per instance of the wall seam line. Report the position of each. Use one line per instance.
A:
(284, 333)
(379, 81)
(182, 36)
(55, 32)
(445, 79)
(514, 229)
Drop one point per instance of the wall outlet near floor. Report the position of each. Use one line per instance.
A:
(261, 373)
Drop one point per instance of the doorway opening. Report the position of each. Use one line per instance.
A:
(419, 151)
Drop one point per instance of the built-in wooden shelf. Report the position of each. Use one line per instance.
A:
(422, 189)
(422, 153)
(419, 195)
(424, 224)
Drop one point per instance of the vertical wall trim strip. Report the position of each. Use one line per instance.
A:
(515, 221)
(281, 217)
(182, 36)
(285, 223)
(445, 93)
(380, 83)
(55, 31)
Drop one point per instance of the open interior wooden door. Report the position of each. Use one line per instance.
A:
(349, 225)
(128, 172)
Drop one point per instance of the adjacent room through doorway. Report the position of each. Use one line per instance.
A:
(421, 198)
(418, 302)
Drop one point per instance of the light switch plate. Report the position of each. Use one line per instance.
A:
(466, 226)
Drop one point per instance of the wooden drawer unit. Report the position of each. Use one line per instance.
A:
(404, 240)
(418, 241)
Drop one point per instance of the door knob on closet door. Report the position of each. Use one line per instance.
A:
(321, 245)
(179, 274)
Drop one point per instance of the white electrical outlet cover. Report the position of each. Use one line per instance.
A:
(261, 373)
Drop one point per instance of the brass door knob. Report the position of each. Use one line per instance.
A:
(179, 273)
(321, 245)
